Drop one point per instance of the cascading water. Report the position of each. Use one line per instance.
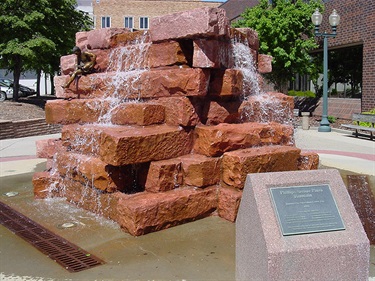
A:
(127, 64)
(271, 109)
(244, 61)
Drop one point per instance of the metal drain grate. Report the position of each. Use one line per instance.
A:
(68, 255)
(364, 203)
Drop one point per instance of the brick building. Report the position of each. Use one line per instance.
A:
(136, 14)
(357, 28)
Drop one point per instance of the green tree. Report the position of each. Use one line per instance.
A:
(286, 33)
(63, 21)
(36, 33)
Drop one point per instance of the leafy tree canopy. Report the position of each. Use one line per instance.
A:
(286, 33)
(36, 33)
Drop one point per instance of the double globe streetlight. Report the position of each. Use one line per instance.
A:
(334, 20)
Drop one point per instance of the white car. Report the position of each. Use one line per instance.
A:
(6, 90)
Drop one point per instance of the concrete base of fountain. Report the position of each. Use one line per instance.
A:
(167, 129)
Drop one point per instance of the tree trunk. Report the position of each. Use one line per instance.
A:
(16, 76)
(52, 86)
(38, 74)
(45, 84)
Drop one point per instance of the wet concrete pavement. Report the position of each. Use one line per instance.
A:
(201, 250)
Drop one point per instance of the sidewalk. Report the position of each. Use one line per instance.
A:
(339, 149)
(18, 156)
(200, 250)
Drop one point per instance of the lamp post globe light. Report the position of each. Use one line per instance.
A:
(334, 20)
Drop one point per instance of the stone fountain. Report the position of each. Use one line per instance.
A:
(169, 125)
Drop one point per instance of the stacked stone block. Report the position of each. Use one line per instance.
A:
(178, 142)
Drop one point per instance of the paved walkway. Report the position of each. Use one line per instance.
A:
(339, 149)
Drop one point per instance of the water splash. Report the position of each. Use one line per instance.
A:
(258, 105)
(244, 61)
(126, 65)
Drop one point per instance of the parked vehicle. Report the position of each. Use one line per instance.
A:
(6, 90)
(6, 93)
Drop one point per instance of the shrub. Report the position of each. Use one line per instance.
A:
(334, 92)
(367, 124)
(294, 93)
(331, 119)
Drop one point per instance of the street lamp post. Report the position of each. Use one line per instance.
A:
(334, 20)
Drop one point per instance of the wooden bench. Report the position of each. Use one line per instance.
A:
(357, 117)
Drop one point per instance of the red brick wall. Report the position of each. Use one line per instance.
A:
(340, 108)
(26, 128)
(357, 26)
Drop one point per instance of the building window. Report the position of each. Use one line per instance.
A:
(106, 22)
(128, 22)
(143, 23)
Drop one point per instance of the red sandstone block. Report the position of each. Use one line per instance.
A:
(50, 164)
(248, 34)
(179, 111)
(45, 185)
(85, 86)
(82, 139)
(128, 145)
(130, 38)
(268, 107)
(129, 58)
(104, 38)
(81, 39)
(228, 203)
(222, 112)
(237, 164)
(75, 111)
(164, 175)
(215, 140)
(167, 54)
(264, 63)
(137, 84)
(136, 145)
(141, 113)
(58, 82)
(212, 54)
(199, 170)
(47, 148)
(100, 85)
(68, 63)
(89, 198)
(147, 212)
(225, 83)
(308, 161)
(102, 60)
(93, 172)
(174, 82)
(198, 23)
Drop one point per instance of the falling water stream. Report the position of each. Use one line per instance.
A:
(269, 107)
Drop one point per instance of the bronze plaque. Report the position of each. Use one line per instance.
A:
(306, 209)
